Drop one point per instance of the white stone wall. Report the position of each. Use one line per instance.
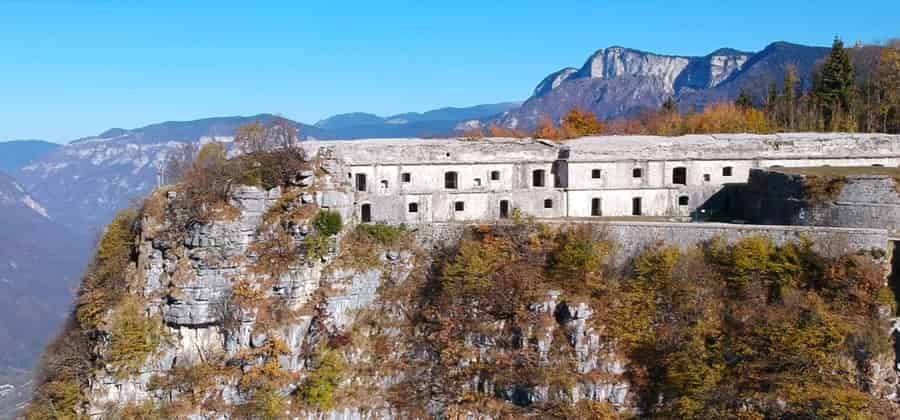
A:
(703, 157)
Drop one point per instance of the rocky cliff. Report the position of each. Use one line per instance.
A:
(262, 303)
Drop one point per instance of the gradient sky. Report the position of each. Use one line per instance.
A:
(73, 69)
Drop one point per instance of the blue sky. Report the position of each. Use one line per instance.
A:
(72, 69)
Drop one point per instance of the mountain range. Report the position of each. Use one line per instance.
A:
(63, 195)
(438, 122)
(620, 82)
(16, 153)
(39, 266)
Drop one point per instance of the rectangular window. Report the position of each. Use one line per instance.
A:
(537, 178)
(413, 207)
(548, 204)
(459, 206)
(636, 173)
(495, 175)
(595, 207)
(450, 180)
(683, 200)
(679, 176)
(596, 174)
(407, 177)
(636, 206)
(726, 171)
(706, 177)
(360, 182)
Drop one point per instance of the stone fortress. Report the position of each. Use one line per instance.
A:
(630, 178)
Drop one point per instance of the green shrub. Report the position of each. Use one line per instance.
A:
(384, 234)
(317, 246)
(133, 337)
(328, 222)
(319, 388)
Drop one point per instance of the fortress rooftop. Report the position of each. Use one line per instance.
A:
(600, 148)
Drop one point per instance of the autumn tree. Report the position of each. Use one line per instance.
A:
(179, 162)
(547, 130)
(578, 123)
(888, 80)
(282, 133)
(251, 138)
(496, 130)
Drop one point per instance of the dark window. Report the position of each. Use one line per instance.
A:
(537, 178)
(504, 209)
(495, 175)
(637, 173)
(595, 207)
(679, 175)
(413, 207)
(683, 200)
(360, 182)
(636, 206)
(548, 204)
(407, 177)
(450, 180)
(366, 213)
(477, 182)
(706, 177)
(596, 173)
(459, 206)
(384, 184)
(877, 165)
(726, 171)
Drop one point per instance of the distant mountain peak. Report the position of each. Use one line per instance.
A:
(113, 132)
(619, 81)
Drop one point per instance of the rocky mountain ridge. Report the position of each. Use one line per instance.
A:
(619, 82)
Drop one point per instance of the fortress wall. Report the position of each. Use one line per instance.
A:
(864, 202)
(634, 237)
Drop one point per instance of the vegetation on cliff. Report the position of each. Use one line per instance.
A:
(749, 329)
(519, 319)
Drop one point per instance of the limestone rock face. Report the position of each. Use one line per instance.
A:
(199, 285)
(616, 62)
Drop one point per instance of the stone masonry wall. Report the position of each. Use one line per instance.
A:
(633, 237)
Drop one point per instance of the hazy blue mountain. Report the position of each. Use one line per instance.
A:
(39, 266)
(438, 122)
(16, 153)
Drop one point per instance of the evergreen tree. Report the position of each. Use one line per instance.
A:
(744, 100)
(835, 88)
(669, 106)
(771, 97)
(791, 83)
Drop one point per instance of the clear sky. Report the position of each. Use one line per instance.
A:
(72, 69)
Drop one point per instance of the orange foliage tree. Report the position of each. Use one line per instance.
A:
(578, 123)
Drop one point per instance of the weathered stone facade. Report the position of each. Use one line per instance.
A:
(425, 181)
(861, 200)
